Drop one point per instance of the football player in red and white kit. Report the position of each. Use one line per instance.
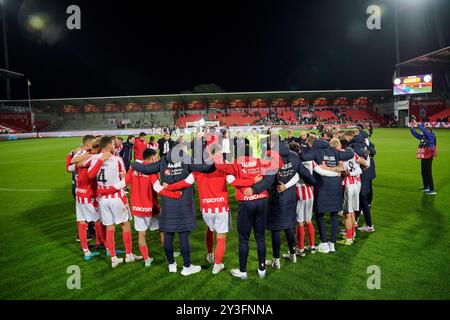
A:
(118, 146)
(305, 201)
(352, 186)
(144, 207)
(213, 194)
(113, 207)
(85, 194)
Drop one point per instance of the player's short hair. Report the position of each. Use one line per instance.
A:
(148, 153)
(96, 143)
(311, 139)
(105, 141)
(88, 138)
(294, 146)
(344, 143)
(120, 138)
(152, 138)
(289, 131)
(142, 134)
(130, 137)
(349, 133)
(334, 143)
(328, 133)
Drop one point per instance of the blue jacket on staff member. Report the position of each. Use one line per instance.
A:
(328, 195)
(177, 216)
(426, 151)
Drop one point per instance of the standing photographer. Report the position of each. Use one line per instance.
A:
(426, 152)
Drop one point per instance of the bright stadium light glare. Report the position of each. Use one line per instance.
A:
(36, 22)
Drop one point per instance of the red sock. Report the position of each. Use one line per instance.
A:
(111, 243)
(209, 238)
(144, 251)
(220, 250)
(301, 236)
(82, 234)
(353, 231)
(126, 236)
(310, 229)
(99, 234)
(349, 233)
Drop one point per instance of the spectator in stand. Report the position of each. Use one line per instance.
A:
(165, 144)
(127, 152)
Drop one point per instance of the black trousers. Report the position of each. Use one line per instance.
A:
(322, 229)
(427, 175)
(184, 247)
(276, 241)
(252, 215)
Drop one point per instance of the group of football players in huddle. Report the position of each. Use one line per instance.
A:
(279, 185)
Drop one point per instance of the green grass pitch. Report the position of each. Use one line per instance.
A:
(411, 244)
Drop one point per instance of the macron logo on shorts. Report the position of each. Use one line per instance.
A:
(213, 200)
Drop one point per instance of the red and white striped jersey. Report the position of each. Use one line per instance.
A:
(305, 191)
(351, 166)
(117, 150)
(108, 174)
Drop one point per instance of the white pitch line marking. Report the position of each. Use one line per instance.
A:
(34, 190)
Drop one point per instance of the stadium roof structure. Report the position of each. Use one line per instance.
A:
(439, 58)
(7, 74)
(211, 97)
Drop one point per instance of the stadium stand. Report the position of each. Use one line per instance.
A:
(442, 116)
(361, 115)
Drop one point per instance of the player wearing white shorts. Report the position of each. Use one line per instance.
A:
(85, 194)
(113, 207)
(305, 202)
(352, 185)
(143, 189)
(213, 196)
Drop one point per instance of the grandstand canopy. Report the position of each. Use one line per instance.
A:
(7, 74)
(164, 100)
(439, 58)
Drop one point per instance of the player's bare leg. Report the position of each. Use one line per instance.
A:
(221, 239)
(354, 223)
(128, 243)
(111, 243)
(349, 225)
(82, 235)
(143, 248)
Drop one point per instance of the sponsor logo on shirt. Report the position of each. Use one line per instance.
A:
(213, 200)
(141, 209)
(78, 190)
(249, 164)
(174, 165)
(254, 197)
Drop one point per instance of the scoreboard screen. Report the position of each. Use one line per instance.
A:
(413, 84)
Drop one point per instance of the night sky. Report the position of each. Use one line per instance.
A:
(141, 47)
